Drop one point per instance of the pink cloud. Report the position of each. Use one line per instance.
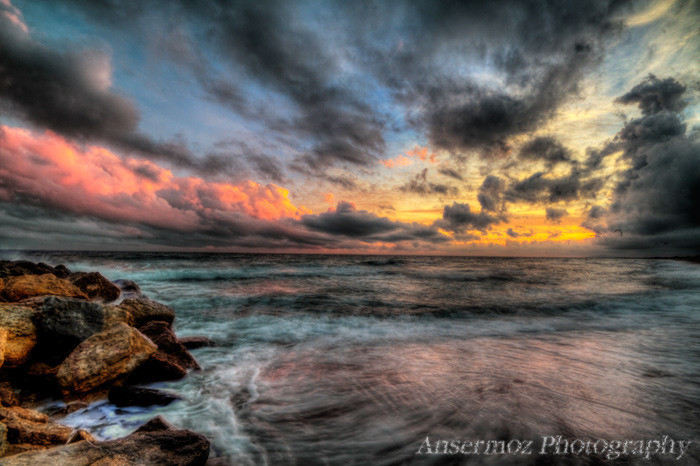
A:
(91, 180)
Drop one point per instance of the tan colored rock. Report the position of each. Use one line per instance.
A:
(26, 286)
(103, 358)
(31, 427)
(21, 333)
(3, 343)
(3, 439)
(156, 445)
(144, 310)
(95, 286)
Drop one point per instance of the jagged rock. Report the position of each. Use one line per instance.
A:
(67, 408)
(155, 424)
(31, 427)
(170, 362)
(25, 286)
(19, 268)
(61, 271)
(129, 288)
(3, 439)
(8, 397)
(136, 396)
(105, 357)
(162, 335)
(160, 446)
(143, 311)
(3, 343)
(63, 323)
(195, 342)
(21, 333)
(95, 286)
(159, 367)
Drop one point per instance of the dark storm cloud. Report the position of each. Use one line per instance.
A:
(654, 95)
(419, 184)
(68, 91)
(655, 202)
(514, 234)
(554, 214)
(541, 51)
(327, 60)
(546, 149)
(459, 218)
(347, 221)
(538, 188)
(490, 194)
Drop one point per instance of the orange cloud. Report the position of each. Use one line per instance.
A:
(420, 153)
(94, 181)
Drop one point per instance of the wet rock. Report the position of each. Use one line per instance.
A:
(159, 367)
(195, 342)
(31, 427)
(103, 358)
(25, 286)
(143, 311)
(160, 446)
(61, 271)
(3, 343)
(95, 286)
(8, 397)
(19, 268)
(162, 335)
(67, 409)
(63, 323)
(129, 288)
(170, 362)
(136, 396)
(21, 333)
(4, 445)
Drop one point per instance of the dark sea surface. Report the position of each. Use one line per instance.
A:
(348, 360)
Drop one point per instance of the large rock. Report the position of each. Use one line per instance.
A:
(143, 311)
(156, 443)
(105, 357)
(18, 268)
(63, 323)
(25, 426)
(170, 362)
(3, 439)
(95, 286)
(25, 286)
(195, 342)
(3, 343)
(137, 396)
(162, 335)
(21, 333)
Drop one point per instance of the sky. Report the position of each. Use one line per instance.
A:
(513, 128)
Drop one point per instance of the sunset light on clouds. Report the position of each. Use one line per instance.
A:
(418, 128)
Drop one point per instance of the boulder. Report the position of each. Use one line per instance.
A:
(61, 271)
(25, 286)
(156, 445)
(170, 362)
(95, 286)
(3, 343)
(129, 288)
(8, 397)
(157, 368)
(19, 268)
(103, 358)
(21, 333)
(3, 439)
(195, 342)
(25, 426)
(162, 335)
(143, 311)
(136, 396)
(63, 323)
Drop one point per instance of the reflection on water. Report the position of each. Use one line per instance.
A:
(353, 360)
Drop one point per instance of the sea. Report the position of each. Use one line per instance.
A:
(354, 360)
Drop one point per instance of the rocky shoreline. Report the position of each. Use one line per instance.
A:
(77, 337)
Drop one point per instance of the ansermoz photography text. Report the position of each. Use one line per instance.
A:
(558, 445)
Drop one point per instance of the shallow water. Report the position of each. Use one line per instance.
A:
(355, 360)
